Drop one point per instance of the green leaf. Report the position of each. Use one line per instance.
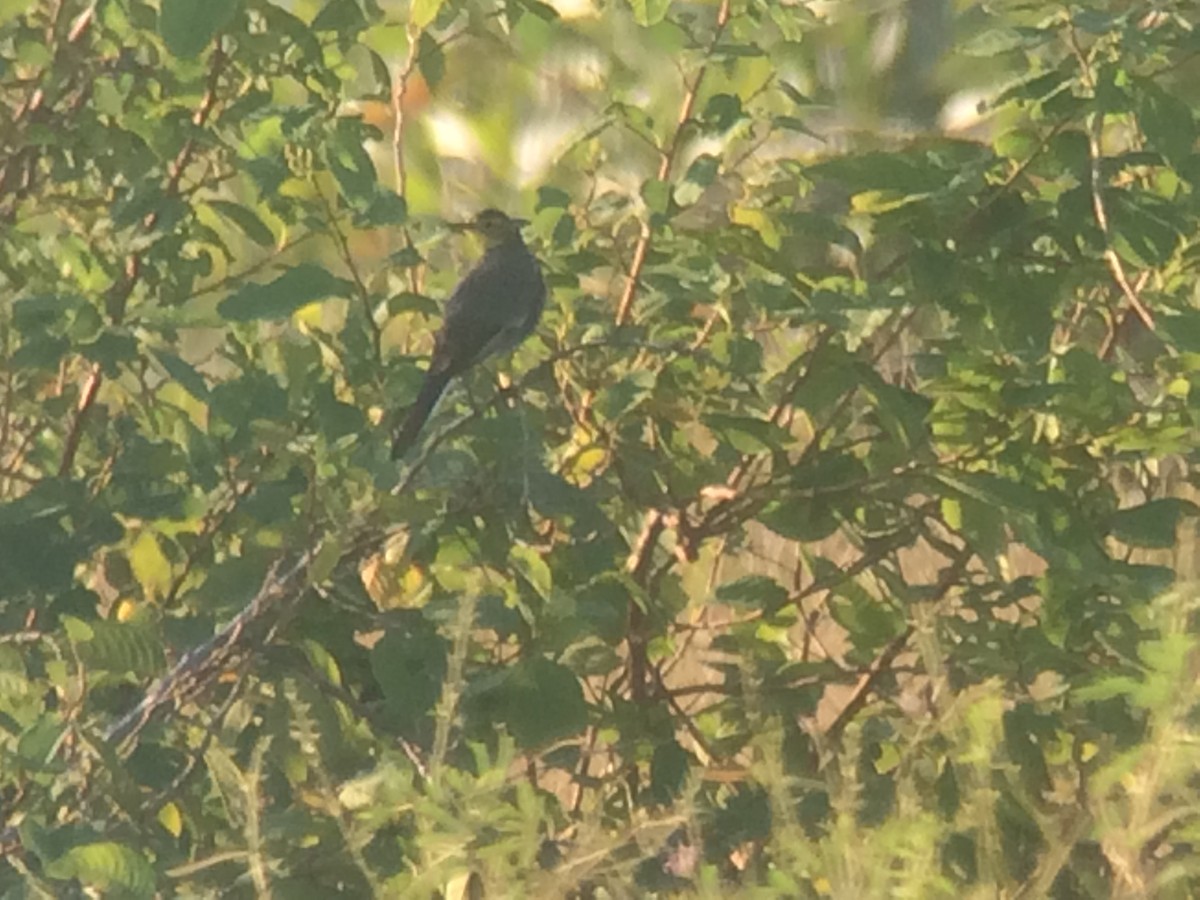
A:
(381, 72)
(1152, 524)
(184, 373)
(423, 12)
(1140, 583)
(10, 9)
(622, 397)
(668, 771)
(649, 12)
(604, 608)
(37, 742)
(409, 663)
(870, 621)
(272, 501)
(112, 349)
(657, 195)
(1144, 230)
(150, 565)
(45, 533)
(350, 163)
(804, 519)
(737, 51)
(406, 258)
(552, 198)
(903, 413)
(906, 175)
(342, 16)
(430, 59)
(992, 42)
(722, 111)
(121, 648)
(188, 26)
(747, 435)
(1183, 330)
(829, 474)
(1166, 120)
(541, 701)
(385, 210)
(754, 591)
(106, 865)
(42, 352)
(947, 793)
(32, 315)
(246, 220)
(1107, 688)
(1020, 501)
(530, 564)
(407, 301)
(794, 94)
(295, 288)
(703, 170)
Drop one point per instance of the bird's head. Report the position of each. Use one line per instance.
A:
(493, 226)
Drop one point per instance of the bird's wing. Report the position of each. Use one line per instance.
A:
(484, 315)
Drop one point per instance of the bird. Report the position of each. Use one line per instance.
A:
(492, 310)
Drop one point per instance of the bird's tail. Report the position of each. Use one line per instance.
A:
(414, 419)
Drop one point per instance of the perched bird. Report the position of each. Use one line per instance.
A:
(491, 311)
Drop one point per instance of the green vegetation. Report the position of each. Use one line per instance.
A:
(831, 537)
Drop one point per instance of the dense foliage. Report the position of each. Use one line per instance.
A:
(823, 541)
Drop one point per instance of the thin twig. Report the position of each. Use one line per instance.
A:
(360, 286)
(1095, 135)
(638, 567)
(666, 162)
(399, 121)
(75, 432)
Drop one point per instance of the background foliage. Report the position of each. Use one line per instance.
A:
(815, 546)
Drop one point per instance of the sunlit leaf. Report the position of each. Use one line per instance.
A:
(423, 12)
(246, 220)
(649, 12)
(295, 288)
(106, 865)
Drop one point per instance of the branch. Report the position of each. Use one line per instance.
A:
(883, 663)
(399, 120)
(1095, 134)
(118, 297)
(866, 684)
(210, 657)
(75, 432)
(360, 286)
(638, 568)
(665, 163)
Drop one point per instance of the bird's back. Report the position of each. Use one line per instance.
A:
(494, 307)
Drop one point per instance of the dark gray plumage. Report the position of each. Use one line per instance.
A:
(491, 311)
